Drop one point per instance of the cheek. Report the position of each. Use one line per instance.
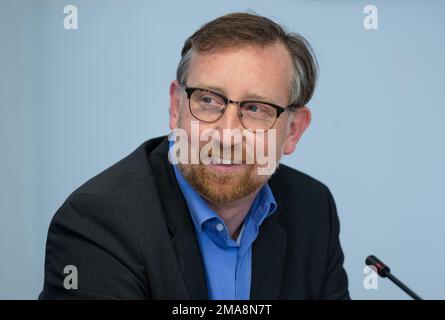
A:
(184, 117)
(198, 133)
(269, 144)
(281, 133)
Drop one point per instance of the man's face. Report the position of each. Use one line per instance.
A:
(244, 73)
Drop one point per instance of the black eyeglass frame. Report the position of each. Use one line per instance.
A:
(190, 90)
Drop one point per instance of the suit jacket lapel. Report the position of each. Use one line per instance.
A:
(179, 223)
(268, 259)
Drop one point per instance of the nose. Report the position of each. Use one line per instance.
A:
(230, 121)
(231, 117)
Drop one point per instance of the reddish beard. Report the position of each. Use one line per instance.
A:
(223, 188)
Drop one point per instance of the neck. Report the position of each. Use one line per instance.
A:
(233, 214)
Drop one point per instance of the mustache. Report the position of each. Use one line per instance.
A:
(238, 154)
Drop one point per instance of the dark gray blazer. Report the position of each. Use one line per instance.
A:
(130, 235)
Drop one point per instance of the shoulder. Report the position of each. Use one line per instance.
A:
(304, 202)
(124, 173)
(98, 229)
(296, 183)
(114, 198)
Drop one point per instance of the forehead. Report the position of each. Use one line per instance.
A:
(244, 70)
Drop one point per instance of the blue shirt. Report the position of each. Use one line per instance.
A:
(228, 263)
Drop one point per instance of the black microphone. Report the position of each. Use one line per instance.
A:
(384, 271)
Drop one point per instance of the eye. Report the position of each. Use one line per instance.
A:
(258, 110)
(207, 99)
(252, 108)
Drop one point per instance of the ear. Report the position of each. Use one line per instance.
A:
(297, 126)
(174, 104)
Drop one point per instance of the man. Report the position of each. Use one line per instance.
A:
(153, 227)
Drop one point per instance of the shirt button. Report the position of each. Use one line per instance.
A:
(219, 227)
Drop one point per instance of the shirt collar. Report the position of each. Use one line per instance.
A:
(199, 209)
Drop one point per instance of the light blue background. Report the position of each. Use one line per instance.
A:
(74, 102)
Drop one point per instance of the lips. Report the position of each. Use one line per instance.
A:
(226, 157)
(222, 161)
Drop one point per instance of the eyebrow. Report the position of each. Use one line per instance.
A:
(250, 96)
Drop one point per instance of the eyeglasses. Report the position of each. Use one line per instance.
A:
(209, 106)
